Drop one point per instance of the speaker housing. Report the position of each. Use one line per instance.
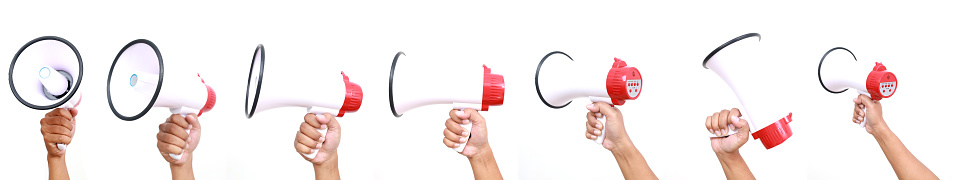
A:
(737, 63)
(61, 71)
(839, 70)
(138, 81)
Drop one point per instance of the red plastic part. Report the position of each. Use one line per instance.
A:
(493, 92)
(775, 133)
(211, 98)
(877, 76)
(617, 79)
(352, 96)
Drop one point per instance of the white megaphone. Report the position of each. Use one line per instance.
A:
(563, 79)
(737, 63)
(326, 92)
(839, 70)
(46, 74)
(137, 82)
(411, 86)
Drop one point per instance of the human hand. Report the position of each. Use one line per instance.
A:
(320, 135)
(174, 139)
(873, 114)
(720, 123)
(58, 127)
(614, 127)
(455, 134)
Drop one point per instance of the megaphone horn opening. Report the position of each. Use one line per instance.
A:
(160, 80)
(819, 71)
(539, 69)
(391, 80)
(737, 39)
(250, 104)
(72, 84)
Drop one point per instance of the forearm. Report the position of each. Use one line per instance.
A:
(327, 170)
(483, 165)
(734, 166)
(903, 161)
(183, 171)
(57, 167)
(632, 163)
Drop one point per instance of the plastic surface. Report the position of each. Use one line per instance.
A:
(352, 97)
(493, 92)
(623, 82)
(601, 137)
(880, 83)
(775, 133)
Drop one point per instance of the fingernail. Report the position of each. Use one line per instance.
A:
(456, 145)
(598, 114)
(590, 105)
(598, 132)
(464, 122)
(594, 137)
(464, 133)
(597, 125)
(459, 112)
(463, 140)
(318, 147)
(718, 134)
(323, 127)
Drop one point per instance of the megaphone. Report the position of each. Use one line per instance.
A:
(328, 91)
(736, 62)
(563, 79)
(137, 82)
(839, 71)
(410, 86)
(45, 74)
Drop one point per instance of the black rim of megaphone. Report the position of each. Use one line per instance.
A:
(257, 93)
(819, 72)
(737, 39)
(538, 70)
(391, 84)
(74, 86)
(160, 80)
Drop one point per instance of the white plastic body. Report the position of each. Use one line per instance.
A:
(560, 79)
(456, 83)
(741, 65)
(321, 88)
(841, 71)
(446, 82)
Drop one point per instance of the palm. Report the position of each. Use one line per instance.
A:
(729, 144)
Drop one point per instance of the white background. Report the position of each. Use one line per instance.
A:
(667, 41)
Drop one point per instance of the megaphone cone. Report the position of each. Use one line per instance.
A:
(330, 91)
(736, 62)
(139, 81)
(559, 79)
(839, 70)
(46, 73)
(411, 86)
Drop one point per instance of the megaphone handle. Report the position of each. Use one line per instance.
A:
(601, 138)
(865, 119)
(314, 152)
(188, 130)
(461, 146)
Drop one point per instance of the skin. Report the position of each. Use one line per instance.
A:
(727, 148)
(477, 151)
(172, 138)
(58, 127)
(904, 163)
(616, 140)
(308, 138)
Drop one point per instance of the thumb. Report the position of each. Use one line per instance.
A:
(594, 107)
(192, 120)
(333, 124)
(866, 101)
(740, 124)
(606, 109)
(474, 117)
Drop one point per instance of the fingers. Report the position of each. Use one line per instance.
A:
(715, 124)
(857, 113)
(451, 136)
(173, 129)
(330, 123)
(310, 131)
(723, 122)
(865, 101)
(59, 112)
(57, 138)
(73, 112)
(592, 107)
(57, 121)
(169, 148)
(449, 143)
(177, 119)
(307, 141)
(312, 120)
(301, 148)
(458, 114)
(455, 127)
(474, 117)
(171, 139)
(607, 110)
(593, 127)
(55, 130)
(739, 124)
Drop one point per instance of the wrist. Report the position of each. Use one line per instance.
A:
(623, 145)
(330, 162)
(728, 156)
(484, 154)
